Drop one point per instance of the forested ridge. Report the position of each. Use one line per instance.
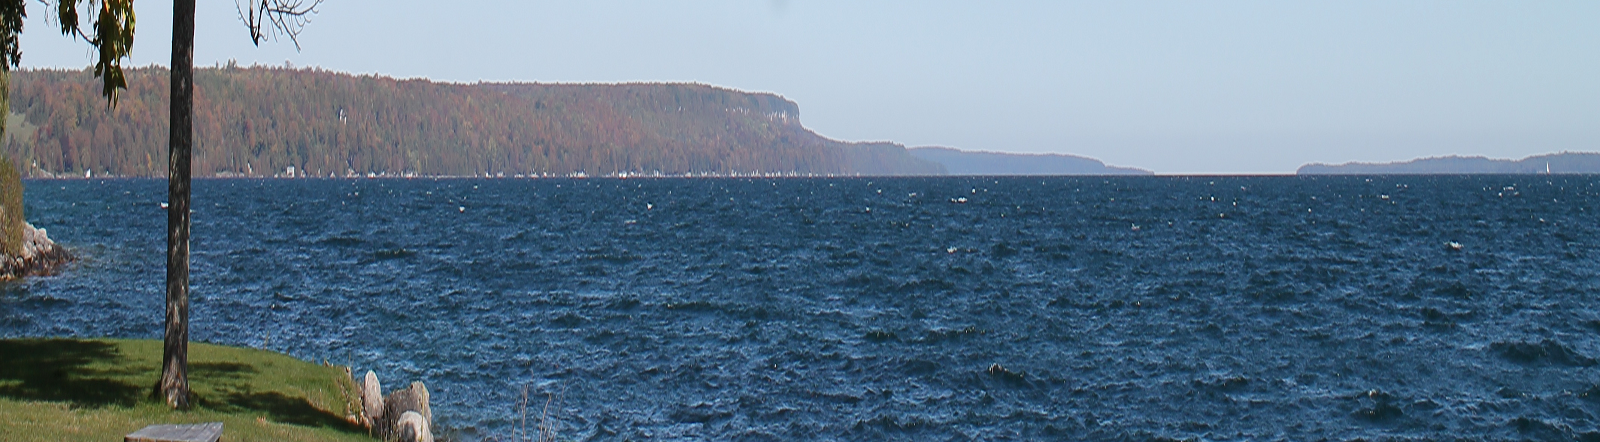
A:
(261, 121)
(1555, 163)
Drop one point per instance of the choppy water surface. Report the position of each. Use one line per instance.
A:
(886, 309)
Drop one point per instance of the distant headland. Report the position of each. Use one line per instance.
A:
(1557, 163)
(282, 122)
(959, 162)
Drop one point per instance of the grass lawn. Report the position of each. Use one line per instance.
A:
(100, 390)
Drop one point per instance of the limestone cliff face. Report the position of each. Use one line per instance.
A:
(707, 128)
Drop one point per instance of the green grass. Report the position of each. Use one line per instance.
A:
(99, 390)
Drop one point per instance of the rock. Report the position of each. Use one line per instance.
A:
(402, 415)
(413, 399)
(412, 427)
(371, 398)
(39, 257)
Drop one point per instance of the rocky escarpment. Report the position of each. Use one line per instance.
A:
(38, 256)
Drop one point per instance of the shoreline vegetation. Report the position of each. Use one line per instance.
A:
(69, 389)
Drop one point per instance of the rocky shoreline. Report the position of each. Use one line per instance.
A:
(402, 416)
(39, 257)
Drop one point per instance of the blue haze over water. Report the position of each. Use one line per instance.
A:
(1130, 308)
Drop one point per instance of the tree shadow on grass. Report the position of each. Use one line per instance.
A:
(233, 394)
(285, 409)
(222, 375)
(90, 374)
(57, 370)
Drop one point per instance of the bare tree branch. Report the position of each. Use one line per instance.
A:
(271, 18)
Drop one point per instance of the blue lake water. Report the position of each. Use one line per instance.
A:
(1138, 308)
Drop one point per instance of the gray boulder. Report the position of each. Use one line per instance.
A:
(412, 427)
(371, 398)
(413, 399)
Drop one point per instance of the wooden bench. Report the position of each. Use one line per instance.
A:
(206, 432)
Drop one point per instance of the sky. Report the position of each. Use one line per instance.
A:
(1177, 87)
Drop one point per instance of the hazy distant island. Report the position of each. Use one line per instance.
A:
(959, 162)
(1565, 162)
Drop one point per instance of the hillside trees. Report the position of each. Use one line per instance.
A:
(258, 121)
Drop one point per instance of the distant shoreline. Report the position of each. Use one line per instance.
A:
(1564, 163)
(798, 176)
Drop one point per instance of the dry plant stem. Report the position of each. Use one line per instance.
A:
(524, 415)
(544, 425)
(547, 428)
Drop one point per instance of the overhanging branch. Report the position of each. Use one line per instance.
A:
(272, 18)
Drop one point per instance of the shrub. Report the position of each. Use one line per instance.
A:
(11, 220)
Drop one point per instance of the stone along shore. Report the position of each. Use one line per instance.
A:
(39, 256)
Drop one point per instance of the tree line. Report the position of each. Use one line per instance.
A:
(263, 121)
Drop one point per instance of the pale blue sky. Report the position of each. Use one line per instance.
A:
(1172, 86)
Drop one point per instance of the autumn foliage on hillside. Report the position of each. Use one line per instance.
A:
(260, 121)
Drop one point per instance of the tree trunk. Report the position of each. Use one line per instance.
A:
(174, 385)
